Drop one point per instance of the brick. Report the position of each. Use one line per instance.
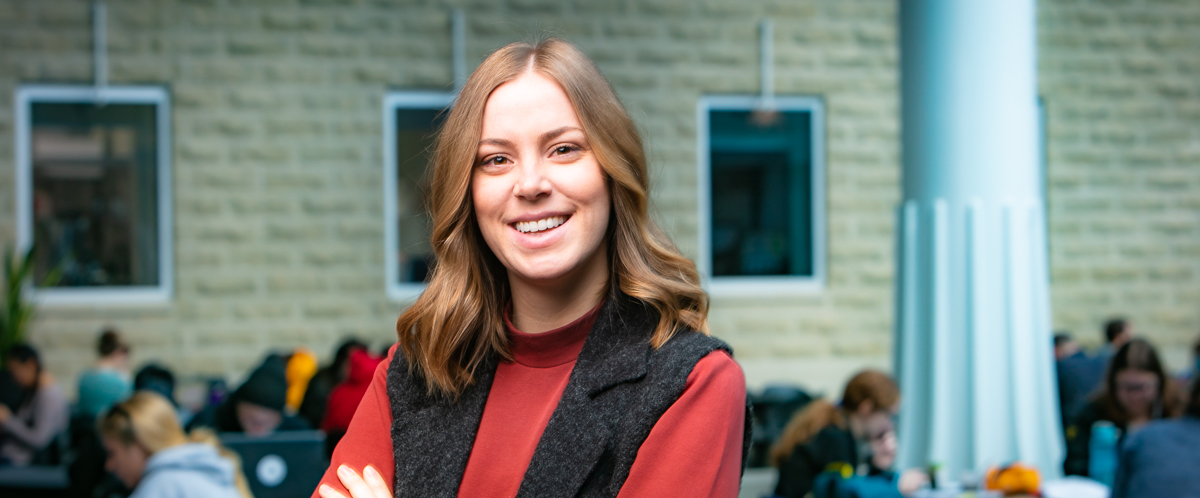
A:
(328, 206)
(328, 48)
(263, 257)
(226, 286)
(294, 232)
(331, 258)
(259, 206)
(260, 310)
(295, 181)
(291, 22)
(355, 231)
(225, 234)
(327, 310)
(296, 284)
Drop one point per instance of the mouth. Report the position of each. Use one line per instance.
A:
(542, 225)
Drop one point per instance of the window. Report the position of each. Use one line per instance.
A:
(761, 195)
(410, 120)
(93, 192)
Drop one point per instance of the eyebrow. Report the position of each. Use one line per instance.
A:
(550, 135)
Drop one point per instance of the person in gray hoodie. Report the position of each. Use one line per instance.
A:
(148, 451)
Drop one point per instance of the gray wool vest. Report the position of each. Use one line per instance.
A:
(617, 391)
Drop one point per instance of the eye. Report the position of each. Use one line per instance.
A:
(565, 149)
(495, 161)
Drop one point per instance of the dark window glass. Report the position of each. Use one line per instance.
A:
(761, 193)
(415, 130)
(95, 195)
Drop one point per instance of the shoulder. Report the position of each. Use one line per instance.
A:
(52, 392)
(832, 436)
(181, 483)
(692, 345)
(1183, 429)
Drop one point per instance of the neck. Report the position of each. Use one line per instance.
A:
(112, 362)
(541, 306)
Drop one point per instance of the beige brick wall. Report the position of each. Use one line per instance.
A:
(1121, 81)
(278, 224)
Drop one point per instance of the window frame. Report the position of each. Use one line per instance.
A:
(765, 285)
(393, 101)
(25, 97)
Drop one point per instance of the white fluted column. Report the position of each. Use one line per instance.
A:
(973, 332)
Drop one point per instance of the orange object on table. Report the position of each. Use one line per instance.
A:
(1014, 479)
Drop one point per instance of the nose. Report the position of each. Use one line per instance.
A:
(532, 183)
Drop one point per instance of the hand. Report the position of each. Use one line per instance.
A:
(911, 480)
(5, 414)
(369, 485)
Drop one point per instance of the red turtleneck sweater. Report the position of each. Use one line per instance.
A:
(695, 449)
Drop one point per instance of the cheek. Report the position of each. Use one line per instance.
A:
(488, 197)
(590, 188)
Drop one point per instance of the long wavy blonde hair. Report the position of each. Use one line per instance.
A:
(457, 323)
(148, 420)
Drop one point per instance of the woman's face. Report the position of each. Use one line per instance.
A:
(540, 195)
(257, 420)
(126, 461)
(24, 373)
(880, 434)
(1137, 390)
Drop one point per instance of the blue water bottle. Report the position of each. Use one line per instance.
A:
(1102, 454)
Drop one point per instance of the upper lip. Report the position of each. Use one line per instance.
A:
(538, 216)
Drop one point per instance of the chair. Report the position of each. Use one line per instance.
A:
(773, 409)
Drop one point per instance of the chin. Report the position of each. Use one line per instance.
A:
(543, 269)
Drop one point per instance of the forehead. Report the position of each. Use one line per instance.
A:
(1136, 374)
(531, 103)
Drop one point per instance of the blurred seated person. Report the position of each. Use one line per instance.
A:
(157, 379)
(151, 455)
(1161, 459)
(1071, 386)
(1136, 391)
(1117, 332)
(1080, 376)
(1065, 347)
(107, 382)
(858, 434)
(344, 399)
(41, 415)
(257, 407)
(316, 396)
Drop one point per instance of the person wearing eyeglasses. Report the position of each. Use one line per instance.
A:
(1136, 390)
(856, 437)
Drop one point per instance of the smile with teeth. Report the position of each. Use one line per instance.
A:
(539, 225)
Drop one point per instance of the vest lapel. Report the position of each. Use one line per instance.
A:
(579, 430)
(436, 429)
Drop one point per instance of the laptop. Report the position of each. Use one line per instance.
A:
(288, 463)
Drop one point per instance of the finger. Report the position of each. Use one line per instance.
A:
(327, 491)
(354, 483)
(376, 482)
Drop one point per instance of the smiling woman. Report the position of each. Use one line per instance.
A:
(561, 346)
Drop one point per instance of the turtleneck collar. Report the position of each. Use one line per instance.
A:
(551, 348)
